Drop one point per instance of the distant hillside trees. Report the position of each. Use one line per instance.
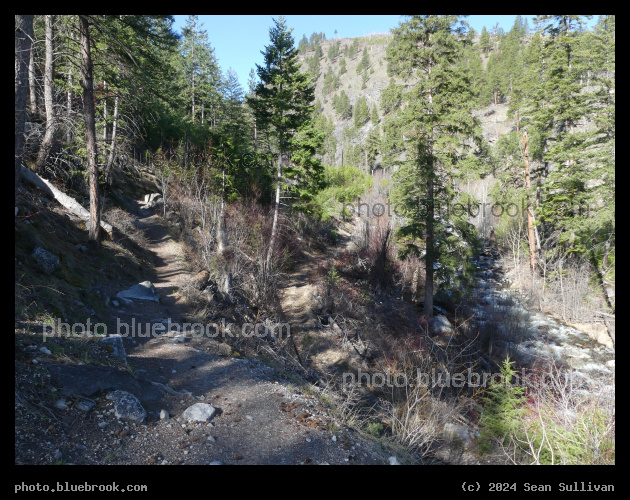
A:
(341, 104)
(361, 112)
(391, 97)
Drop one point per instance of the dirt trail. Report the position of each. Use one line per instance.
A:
(297, 299)
(260, 418)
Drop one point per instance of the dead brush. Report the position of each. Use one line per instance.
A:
(124, 222)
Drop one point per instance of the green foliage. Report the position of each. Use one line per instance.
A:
(503, 409)
(341, 104)
(353, 49)
(333, 50)
(364, 63)
(484, 40)
(376, 429)
(577, 204)
(332, 278)
(361, 112)
(374, 116)
(391, 97)
(434, 130)
(342, 185)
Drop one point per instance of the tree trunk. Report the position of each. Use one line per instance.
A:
(530, 209)
(429, 259)
(31, 82)
(51, 121)
(112, 150)
(105, 125)
(67, 201)
(23, 39)
(193, 85)
(274, 227)
(223, 244)
(90, 130)
(69, 93)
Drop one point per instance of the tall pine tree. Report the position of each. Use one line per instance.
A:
(284, 104)
(438, 125)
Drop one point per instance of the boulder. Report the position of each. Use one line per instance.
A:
(114, 344)
(199, 412)
(597, 331)
(440, 325)
(127, 406)
(47, 261)
(461, 432)
(141, 291)
(152, 200)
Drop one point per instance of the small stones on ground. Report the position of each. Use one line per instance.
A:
(86, 405)
(164, 415)
(61, 404)
(102, 425)
(45, 350)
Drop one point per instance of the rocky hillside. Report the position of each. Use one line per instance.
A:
(493, 118)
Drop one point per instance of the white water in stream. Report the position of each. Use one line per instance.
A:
(537, 336)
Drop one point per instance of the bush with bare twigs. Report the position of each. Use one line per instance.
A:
(558, 419)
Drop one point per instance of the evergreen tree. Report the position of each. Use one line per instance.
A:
(484, 41)
(284, 103)
(319, 53)
(364, 63)
(342, 66)
(361, 112)
(303, 45)
(391, 97)
(374, 116)
(504, 406)
(342, 105)
(578, 190)
(201, 76)
(373, 145)
(438, 126)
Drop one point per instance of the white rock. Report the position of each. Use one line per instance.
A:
(199, 412)
(393, 461)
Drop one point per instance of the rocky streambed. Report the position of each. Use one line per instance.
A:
(529, 336)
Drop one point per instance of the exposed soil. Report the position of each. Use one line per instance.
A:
(261, 418)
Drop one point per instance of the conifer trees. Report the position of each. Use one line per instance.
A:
(283, 103)
(437, 125)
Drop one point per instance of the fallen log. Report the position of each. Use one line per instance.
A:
(68, 202)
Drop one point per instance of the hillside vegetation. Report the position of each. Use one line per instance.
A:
(405, 202)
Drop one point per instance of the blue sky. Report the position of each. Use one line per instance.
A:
(238, 40)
